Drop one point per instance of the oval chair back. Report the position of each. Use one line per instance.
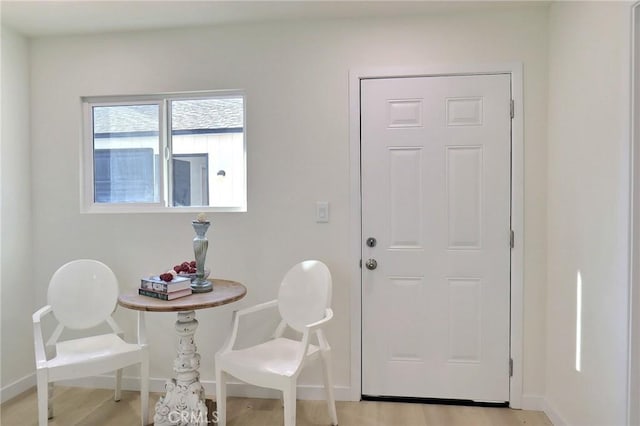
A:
(305, 294)
(83, 293)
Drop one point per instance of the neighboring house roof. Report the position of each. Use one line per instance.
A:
(200, 114)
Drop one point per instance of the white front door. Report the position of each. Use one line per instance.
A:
(436, 198)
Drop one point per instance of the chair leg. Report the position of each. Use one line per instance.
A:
(118, 392)
(43, 397)
(289, 396)
(221, 397)
(144, 390)
(50, 402)
(328, 386)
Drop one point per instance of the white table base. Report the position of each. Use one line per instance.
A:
(184, 401)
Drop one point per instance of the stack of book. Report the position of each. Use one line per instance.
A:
(155, 287)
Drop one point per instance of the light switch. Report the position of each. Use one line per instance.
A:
(322, 211)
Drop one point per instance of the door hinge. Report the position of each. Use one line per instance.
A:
(512, 108)
(510, 367)
(360, 263)
(512, 239)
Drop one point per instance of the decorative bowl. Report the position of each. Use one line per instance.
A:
(207, 271)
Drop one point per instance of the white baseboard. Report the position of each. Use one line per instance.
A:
(305, 392)
(17, 387)
(553, 414)
(540, 403)
(532, 402)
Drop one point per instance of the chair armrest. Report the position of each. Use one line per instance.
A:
(306, 335)
(317, 328)
(235, 319)
(38, 341)
(37, 316)
(256, 308)
(316, 325)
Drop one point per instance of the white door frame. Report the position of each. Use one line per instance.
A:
(517, 210)
(633, 392)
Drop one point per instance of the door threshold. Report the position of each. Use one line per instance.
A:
(438, 401)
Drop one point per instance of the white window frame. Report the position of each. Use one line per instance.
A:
(87, 185)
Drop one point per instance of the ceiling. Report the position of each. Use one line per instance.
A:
(67, 17)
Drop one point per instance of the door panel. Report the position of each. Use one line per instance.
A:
(436, 196)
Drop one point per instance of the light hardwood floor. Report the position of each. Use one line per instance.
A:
(95, 407)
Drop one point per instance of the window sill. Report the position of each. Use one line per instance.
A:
(155, 208)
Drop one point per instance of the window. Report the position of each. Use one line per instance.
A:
(165, 153)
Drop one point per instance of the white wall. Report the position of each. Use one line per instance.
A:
(296, 80)
(588, 210)
(16, 289)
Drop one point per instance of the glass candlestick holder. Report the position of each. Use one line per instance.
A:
(200, 245)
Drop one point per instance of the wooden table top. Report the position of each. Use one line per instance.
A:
(224, 291)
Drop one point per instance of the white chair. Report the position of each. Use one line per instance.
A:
(303, 301)
(83, 294)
